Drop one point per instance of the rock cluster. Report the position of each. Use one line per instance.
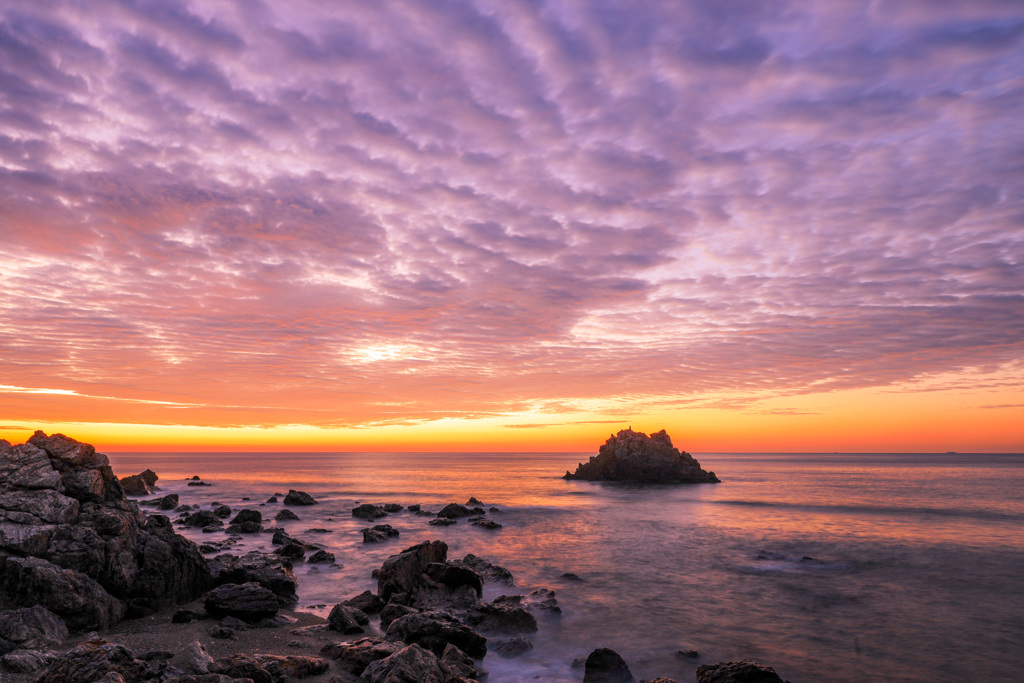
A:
(72, 542)
(635, 457)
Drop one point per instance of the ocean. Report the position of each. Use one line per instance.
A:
(828, 567)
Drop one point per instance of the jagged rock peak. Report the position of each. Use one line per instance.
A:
(636, 457)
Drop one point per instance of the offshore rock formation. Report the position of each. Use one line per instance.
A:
(635, 457)
(71, 541)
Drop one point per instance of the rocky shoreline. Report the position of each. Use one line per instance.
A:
(97, 588)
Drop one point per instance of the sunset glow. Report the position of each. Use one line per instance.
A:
(500, 226)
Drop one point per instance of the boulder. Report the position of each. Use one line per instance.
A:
(344, 620)
(244, 516)
(135, 485)
(486, 524)
(606, 666)
(459, 664)
(293, 666)
(321, 557)
(501, 618)
(379, 533)
(403, 573)
(26, 466)
(249, 602)
(149, 476)
(81, 602)
(245, 528)
(270, 571)
(285, 514)
(293, 551)
(365, 602)
(27, 661)
(194, 659)
(411, 664)
(636, 457)
(434, 630)
(298, 498)
(443, 521)
(203, 518)
(368, 511)
(392, 507)
(31, 628)
(92, 661)
(354, 657)
(454, 510)
(243, 666)
(745, 671)
(512, 647)
(392, 611)
(222, 511)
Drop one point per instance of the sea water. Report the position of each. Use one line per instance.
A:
(845, 567)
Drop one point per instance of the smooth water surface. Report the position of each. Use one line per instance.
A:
(843, 567)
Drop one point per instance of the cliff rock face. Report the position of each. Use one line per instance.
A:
(72, 541)
(635, 457)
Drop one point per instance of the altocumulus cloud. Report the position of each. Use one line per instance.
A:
(387, 211)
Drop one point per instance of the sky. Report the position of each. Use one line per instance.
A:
(513, 224)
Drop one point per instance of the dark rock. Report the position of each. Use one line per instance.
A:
(343, 620)
(249, 602)
(486, 570)
(414, 507)
(487, 524)
(248, 516)
(91, 661)
(168, 502)
(80, 601)
(434, 630)
(745, 671)
(392, 611)
(294, 666)
(186, 616)
(223, 633)
(240, 665)
(501, 618)
(245, 528)
(365, 602)
(454, 510)
(30, 628)
(392, 507)
(659, 679)
(458, 663)
(689, 654)
(442, 521)
(198, 483)
(606, 666)
(474, 502)
(222, 511)
(411, 664)
(194, 659)
(135, 485)
(27, 466)
(27, 661)
(403, 573)
(203, 518)
(272, 499)
(196, 477)
(368, 511)
(569, 576)
(298, 498)
(293, 551)
(454, 576)
(285, 514)
(354, 657)
(512, 647)
(636, 457)
(270, 571)
(379, 533)
(321, 557)
(317, 530)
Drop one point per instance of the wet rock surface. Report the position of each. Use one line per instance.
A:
(745, 671)
(635, 457)
(606, 666)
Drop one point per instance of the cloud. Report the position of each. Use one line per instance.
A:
(533, 202)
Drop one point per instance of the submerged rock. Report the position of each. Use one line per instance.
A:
(369, 511)
(486, 570)
(606, 666)
(636, 457)
(379, 533)
(745, 671)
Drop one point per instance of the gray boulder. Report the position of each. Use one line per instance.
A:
(368, 511)
(194, 659)
(606, 666)
(91, 661)
(403, 573)
(379, 533)
(31, 628)
(354, 657)
(434, 630)
(80, 601)
(273, 572)
(298, 498)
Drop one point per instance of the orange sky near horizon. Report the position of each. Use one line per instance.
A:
(491, 226)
